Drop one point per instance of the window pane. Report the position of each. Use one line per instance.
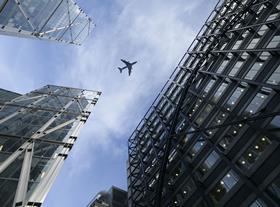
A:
(274, 42)
(208, 87)
(211, 159)
(204, 114)
(232, 101)
(208, 163)
(219, 92)
(222, 67)
(256, 103)
(263, 30)
(254, 70)
(254, 152)
(236, 68)
(197, 147)
(237, 44)
(272, 17)
(275, 77)
(253, 43)
(224, 186)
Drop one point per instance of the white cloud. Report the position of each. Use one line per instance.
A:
(151, 32)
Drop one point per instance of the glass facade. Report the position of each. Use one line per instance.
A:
(59, 20)
(37, 132)
(224, 102)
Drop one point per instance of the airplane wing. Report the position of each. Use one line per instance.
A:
(125, 62)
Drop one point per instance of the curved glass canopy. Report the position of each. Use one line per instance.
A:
(60, 20)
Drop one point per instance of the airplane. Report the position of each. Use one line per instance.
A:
(128, 66)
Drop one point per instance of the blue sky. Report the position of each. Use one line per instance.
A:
(156, 33)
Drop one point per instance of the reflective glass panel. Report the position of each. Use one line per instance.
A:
(254, 70)
(234, 98)
(204, 114)
(197, 147)
(263, 30)
(275, 77)
(253, 43)
(274, 42)
(256, 103)
(237, 44)
(222, 66)
(208, 87)
(236, 68)
(219, 92)
(224, 186)
(211, 160)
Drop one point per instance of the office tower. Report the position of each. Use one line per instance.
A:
(211, 137)
(37, 132)
(59, 20)
(114, 197)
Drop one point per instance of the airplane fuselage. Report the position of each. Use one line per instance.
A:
(128, 65)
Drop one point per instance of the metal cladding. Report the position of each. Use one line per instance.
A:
(37, 132)
(211, 137)
(59, 20)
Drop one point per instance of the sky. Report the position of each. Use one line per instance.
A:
(156, 33)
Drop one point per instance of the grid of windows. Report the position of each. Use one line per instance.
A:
(227, 130)
(37, 132)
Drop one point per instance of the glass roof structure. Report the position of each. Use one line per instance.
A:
(59, 20)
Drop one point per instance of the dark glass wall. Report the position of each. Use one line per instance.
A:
(225, 147)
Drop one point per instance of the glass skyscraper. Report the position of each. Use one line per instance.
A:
(211, 137)
(59, 20)
(37, 132)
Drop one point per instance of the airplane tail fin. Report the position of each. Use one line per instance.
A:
(120, 69)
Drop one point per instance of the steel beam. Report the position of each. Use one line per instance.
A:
(40, 193)
(20, 197)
